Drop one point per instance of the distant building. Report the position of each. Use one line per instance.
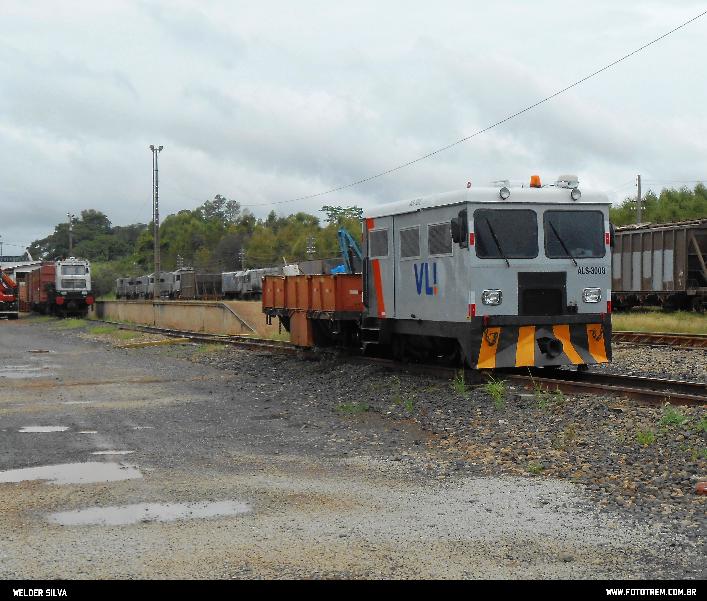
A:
(12, 261)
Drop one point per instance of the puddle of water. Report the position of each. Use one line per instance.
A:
(147, 512)
(112, 452)
(18, 372)
(87, 432)
(44, 429)
(74, 473)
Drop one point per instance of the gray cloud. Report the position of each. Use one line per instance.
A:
(276, 100)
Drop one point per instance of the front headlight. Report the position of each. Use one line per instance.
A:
(491, 297)
(591, 295)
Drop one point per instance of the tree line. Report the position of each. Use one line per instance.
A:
(216, 236)
(665, 207)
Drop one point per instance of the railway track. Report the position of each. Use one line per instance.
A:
(637, 388)
(242, 341)
(643, 389)
(681, 341)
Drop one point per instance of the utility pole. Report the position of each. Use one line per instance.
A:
(156, 216)
(71, 230)
(638, 201)
(311, 247)
(0, 248)
(242, 256)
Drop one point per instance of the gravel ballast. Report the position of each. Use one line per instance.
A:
(347, 470)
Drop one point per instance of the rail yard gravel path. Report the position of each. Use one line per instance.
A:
(332, 469)
(658, 362)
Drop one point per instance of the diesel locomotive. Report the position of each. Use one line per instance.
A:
(492, 276)
(61, 287)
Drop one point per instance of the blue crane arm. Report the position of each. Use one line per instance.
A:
(349, 247)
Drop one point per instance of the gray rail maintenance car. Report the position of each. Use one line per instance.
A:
(508, 277)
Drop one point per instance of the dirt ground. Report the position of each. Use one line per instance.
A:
(152, 463)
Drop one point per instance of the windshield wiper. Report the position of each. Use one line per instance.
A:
(498, 244)
(564, 246)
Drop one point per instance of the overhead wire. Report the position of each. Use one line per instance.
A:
(485, 129)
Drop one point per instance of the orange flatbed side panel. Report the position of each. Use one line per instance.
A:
(323, 293)
(316, 300)
(341, 292)
(301, 333)
(268, 300)
(280, 294)
(290, 293)
(303, 285)
(348, 292)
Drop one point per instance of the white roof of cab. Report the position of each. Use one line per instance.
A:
(546, 195)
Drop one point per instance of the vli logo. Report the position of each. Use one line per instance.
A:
(422, 273)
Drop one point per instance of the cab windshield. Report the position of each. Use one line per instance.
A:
(506, 233)
(574, 234)
(73, 270)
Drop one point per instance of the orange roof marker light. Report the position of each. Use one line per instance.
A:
(535, 181)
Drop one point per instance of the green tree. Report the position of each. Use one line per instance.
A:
(668, 206)
(335, 214)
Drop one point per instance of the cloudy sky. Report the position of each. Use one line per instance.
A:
(265, 101)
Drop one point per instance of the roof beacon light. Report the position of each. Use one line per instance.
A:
(575, 194)
(535, 181)
(504, 193)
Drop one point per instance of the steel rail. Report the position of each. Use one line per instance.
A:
(680, 341)
(234, 340)
(639, 388)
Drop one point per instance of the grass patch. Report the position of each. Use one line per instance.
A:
(672, 416)
(702, 424)
(42, 318)
(353, 408)
(279, 336)
(205, 348)
(535, 468)
(73, 323)
(397, 395)
(125, 334)
(496, 389)
(679, 322)
(645, 437)
(544, 396)
(565, 438)
(459, 384)
(114, 331)
(98, 330)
